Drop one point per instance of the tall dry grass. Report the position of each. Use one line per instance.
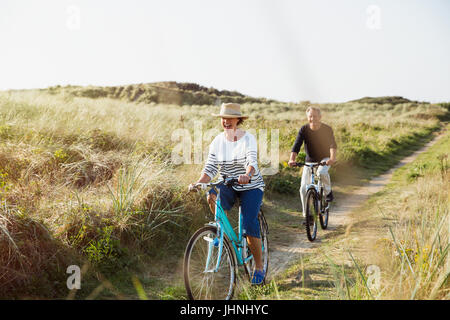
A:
(97, 172)
(404, 232)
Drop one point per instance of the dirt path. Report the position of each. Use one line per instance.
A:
(281, 254)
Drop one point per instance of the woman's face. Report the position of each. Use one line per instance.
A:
(229, 123)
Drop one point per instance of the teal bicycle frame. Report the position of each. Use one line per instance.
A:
(224, 228)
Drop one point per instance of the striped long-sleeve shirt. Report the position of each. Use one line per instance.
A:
(232, 159)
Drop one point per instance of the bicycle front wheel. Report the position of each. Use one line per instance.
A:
(208, 273)
(312, 213)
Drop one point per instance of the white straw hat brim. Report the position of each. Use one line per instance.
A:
(228, 116)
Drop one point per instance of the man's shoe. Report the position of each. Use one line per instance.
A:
(330, 197)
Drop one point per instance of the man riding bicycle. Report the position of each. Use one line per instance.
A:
(234, 153)
(320, 146)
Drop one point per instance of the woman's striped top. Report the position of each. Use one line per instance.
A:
(232, 159)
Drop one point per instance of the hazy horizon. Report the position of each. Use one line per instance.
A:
(323, 102)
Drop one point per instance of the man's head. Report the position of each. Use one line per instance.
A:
(313, 115)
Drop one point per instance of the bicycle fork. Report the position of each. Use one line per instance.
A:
(222, 227)
(216, 242)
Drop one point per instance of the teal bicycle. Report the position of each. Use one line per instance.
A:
(215, 251)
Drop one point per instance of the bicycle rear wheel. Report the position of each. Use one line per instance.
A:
(202, 280)
(312, 213)
(250, 265)
(324, 218)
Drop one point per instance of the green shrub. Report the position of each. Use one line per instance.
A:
(283, 183)
(104, 249)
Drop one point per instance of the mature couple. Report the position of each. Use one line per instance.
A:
(234, 153)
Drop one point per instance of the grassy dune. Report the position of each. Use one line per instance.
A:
(90, 181)
(169, 92)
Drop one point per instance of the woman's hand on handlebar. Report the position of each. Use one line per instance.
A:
(192, 187)
(200, 184)
(243, 179)
(196, 186)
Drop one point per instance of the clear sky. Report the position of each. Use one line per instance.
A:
(290, 50)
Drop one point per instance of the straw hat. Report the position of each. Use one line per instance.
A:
(230, 110)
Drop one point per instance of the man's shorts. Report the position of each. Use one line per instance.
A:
(250, 204)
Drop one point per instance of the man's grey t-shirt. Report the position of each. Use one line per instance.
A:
(317, 142)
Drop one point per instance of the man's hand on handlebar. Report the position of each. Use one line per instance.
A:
(292, 163)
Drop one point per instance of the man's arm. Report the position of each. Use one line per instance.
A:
(292, 159)
(296, 147)
(333, 150)
(332, 159)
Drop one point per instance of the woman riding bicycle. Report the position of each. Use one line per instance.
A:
(234, 153)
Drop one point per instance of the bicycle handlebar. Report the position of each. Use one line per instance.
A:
(311, 165)
(226, 181)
